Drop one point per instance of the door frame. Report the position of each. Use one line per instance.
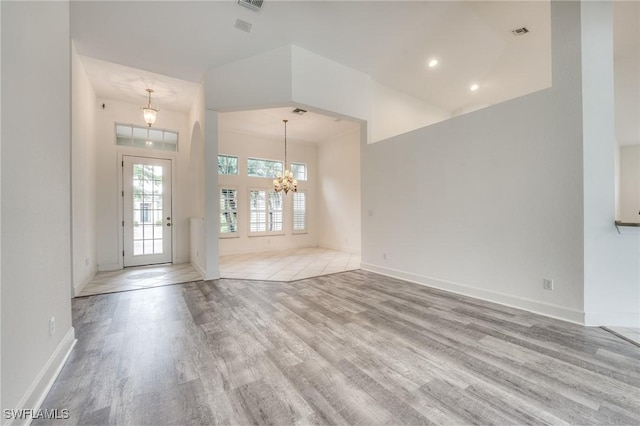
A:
(119, 193)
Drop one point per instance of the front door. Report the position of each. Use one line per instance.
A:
(147, 210)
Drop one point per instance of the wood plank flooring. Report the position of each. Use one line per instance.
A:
(351, 348)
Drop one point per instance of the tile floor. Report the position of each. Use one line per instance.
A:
(288, 265)
(285, 265)
(139, 278)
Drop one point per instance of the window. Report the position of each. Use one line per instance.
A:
(258, 211)
(263, 168)
(299, 171)
(228, 211)
(265, 211)
(299, 212)
(227, 165)
(275, 211)
(144, 137)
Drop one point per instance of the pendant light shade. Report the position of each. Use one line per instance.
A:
(149, 112)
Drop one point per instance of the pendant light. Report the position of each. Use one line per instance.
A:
(149, 111)
(285, 183)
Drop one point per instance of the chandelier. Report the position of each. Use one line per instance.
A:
(285, 183)
(149, 112)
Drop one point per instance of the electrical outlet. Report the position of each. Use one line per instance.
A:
(52, 326)
(547, 283)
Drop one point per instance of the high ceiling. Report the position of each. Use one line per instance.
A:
(390, 40)
(123, 83)
(310, 127)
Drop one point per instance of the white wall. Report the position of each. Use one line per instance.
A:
(394, 113)
(339, 193)
(244, 145)
(328, 85)
(197, 253)
(612, 261)
(488, 203)
(196, 152)
(1, 205)
(36, 198)
(198, 250)
(258, 81)
(108, 187)
(211, 197)
(83, 175)
(629, 198)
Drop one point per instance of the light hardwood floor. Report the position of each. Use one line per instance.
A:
(349, 348)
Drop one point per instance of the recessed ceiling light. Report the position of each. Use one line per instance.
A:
(433, 63)
(474, 87)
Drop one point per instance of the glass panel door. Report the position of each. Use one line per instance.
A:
(147, 211)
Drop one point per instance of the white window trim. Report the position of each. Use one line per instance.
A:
(267, 233)
(306, 214)
(262, 159)
(238, 166)
(145, 148)
(229, 234)
(306, 170)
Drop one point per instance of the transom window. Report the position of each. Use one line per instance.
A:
(299, 171)
(227, 165)
(147, 138)
(228, 211)
(257, 167)
(265, 212)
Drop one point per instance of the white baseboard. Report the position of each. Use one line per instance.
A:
(214, 275)
(198, 269)
(612, 319)
(104, 267)
(263, 249)
(178, 260)
(78, 289)
(40, 387)
(340, 248)
(546, 309)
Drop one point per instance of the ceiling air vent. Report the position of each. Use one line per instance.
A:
(520, 31)
(251, 4)
(243, 25)
(299, 111)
